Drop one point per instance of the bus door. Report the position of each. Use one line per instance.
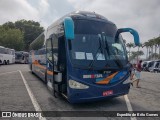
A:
(53, 75)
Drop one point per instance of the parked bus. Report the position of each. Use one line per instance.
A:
(21, 57)
(148, 65)
(154, 66)
(82, 57)
(7, 55)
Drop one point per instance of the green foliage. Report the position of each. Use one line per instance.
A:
(30, 30)
(151, 45)
(154, 55)
(129, 45)
(11, 38)
(136, 54)
(9, 25)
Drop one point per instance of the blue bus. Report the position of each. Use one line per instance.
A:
(82, 56)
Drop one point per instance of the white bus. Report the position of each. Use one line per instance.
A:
(7, 55)
(21, 57)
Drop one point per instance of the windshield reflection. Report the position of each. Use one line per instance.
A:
(97, 50)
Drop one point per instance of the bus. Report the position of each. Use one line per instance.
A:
(7, 55)
(82, 57)
(21, 57)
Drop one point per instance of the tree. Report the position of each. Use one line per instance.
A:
(135, 54)
(9, 25)
(11, 38)
(139, 53)
(129, 45)
(157, 42)
(146, 44)
(151, 44)
(31, 30)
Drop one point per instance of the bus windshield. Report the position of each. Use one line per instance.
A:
(95, 46)
(18, 56)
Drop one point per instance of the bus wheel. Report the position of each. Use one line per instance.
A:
(7, 62)
(31, 69)
(45, 78)
(49, 85)
(4, 62)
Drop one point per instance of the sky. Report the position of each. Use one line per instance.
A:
(142, 15)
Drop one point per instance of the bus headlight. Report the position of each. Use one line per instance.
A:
(76, 85)
(127, 81)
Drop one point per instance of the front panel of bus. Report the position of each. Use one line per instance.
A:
(96, 62)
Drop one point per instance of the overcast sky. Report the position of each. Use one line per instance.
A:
(142, 15)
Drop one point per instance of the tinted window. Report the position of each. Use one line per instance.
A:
(37, 43)
(2, 50)
(94, 27)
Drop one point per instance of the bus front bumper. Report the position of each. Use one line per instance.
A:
(96, 93)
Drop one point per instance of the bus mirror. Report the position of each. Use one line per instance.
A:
(132, 31)
(69, 28)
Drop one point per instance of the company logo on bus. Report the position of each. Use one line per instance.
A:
(107, 72)
(93, 76)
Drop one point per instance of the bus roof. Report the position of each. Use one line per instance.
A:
(6, 48)
(81, 15)
(74, 15)
(2, 47)
(21, 51)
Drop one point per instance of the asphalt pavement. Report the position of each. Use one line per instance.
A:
(20, 90)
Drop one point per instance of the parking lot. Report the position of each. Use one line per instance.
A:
(14, 96)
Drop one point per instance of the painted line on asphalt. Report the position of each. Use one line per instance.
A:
(129, 106)
(8, 72)
(32, 97)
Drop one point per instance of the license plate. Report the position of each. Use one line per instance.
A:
(108, 92)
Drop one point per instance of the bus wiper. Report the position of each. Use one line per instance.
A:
(106, 46)
(94, 57)
(116, 60)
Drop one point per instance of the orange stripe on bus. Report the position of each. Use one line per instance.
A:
(50, 72)
(43, 67)
(40, 66)
(107, 79)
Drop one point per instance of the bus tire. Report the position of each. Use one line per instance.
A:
(45, 78)
(7, 62)
(31, 69)
(32, 72)
(4, 62)
(30, 66)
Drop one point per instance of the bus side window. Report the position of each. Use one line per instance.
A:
(157, 64)
(5, 52)
(23, 57)
(55, 51)
(49, 51)
(1, 50)
(61, 54)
